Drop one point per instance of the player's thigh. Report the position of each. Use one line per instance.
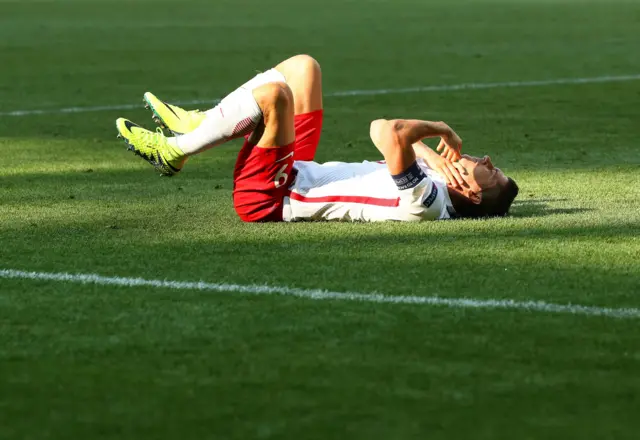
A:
(277, 128)
(304, 77)
(308, 131)
(261, 180)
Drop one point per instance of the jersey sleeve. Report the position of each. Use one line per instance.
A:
(419, 195)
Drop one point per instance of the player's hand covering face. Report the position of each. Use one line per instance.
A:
(446, 164)
(450, 146)
(453, 172)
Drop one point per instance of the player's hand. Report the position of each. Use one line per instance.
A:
(450, 146)
(453, 172)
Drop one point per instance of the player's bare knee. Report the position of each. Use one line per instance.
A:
(300, 66)
(276, 95)
(308, 65)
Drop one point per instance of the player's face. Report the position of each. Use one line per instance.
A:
(481, 173)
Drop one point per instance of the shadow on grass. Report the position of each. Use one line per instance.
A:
(95, 184)
(542, 200)
(543, 210)
(126, 184)
(540, 208)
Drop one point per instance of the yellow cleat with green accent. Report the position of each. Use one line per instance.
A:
(175, 119)
(152, 147)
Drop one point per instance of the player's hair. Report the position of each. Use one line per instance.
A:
(495, 202)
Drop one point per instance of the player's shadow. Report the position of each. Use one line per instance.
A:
(541, 208)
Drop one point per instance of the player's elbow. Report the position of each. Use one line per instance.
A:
(376, 128)
(385, 129)
(397, 127)
(386, 124)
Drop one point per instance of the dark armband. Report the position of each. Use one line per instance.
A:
(428, 201)
(409, 178)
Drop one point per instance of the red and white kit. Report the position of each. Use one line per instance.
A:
(363, 192)
(284, 184)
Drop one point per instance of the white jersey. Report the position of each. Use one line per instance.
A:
(363, 192)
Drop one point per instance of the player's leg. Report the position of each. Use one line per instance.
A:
(235, 116)
(301, 72)
(304, 77)
(263, 170)
(276, 129)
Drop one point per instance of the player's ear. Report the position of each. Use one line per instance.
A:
(475, 197)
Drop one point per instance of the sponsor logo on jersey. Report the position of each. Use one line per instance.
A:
(431, 197)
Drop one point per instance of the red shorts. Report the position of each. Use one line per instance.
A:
(262, 176)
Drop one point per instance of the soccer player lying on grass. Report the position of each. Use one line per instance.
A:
(275, 179)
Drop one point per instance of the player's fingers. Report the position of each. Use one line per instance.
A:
(447, 176)
(456, 175)
(450, 177)
(440, 145)
(451, 154)
(460, 168)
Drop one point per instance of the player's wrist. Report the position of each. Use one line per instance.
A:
(447, 132)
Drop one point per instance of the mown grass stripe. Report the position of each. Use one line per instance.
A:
(320, 294)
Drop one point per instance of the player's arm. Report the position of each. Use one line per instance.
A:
(396, 137)
(410, 131)
(399, 141)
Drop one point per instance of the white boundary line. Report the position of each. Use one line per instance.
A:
(318, 294)
(422, 89)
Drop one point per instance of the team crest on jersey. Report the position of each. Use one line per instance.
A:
(431, 197)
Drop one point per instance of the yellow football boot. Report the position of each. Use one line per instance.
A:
(152, 147)
(177, 120)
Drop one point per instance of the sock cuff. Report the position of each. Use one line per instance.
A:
(270, 76)
(275, 76)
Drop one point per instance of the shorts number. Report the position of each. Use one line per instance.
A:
(281, 177)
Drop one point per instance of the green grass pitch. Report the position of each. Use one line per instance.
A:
(113, 362)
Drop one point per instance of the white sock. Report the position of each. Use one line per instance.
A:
(236, 115)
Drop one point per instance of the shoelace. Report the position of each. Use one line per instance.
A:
(151, 139)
